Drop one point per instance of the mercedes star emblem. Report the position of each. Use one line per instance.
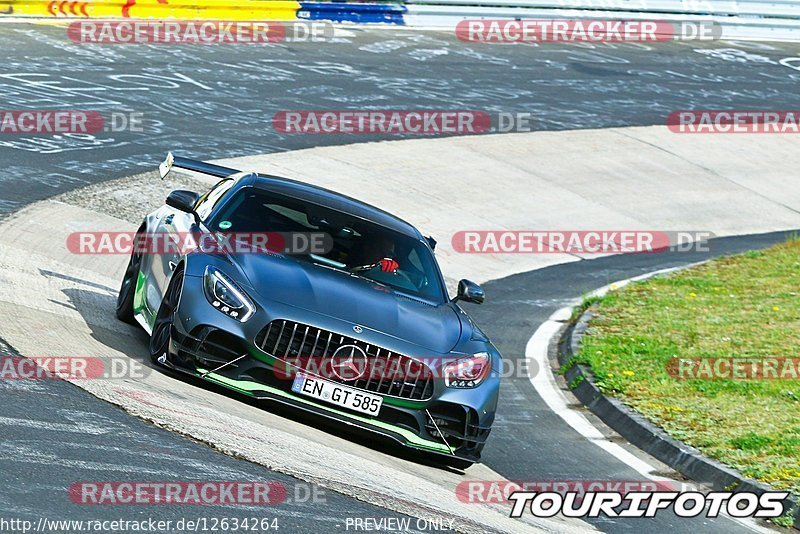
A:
(349, 363)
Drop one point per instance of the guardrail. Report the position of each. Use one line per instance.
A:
(734, 24)
(739, 19)
(756, 8)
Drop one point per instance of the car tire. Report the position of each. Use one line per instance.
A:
(162, 327)
(127, 289)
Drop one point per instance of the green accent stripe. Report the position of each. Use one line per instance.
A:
(138, 294)
(248, 387)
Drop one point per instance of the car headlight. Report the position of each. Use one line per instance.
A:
(225, 295)
(467, 372)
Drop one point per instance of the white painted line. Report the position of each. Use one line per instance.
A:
(545, 384)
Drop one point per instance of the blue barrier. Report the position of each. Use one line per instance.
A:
(357, 13)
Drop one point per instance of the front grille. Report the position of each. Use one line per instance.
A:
(308, 348)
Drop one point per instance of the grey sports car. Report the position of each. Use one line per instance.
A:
(359, 329)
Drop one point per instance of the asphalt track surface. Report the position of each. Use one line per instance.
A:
(55, 435)
(217, 102)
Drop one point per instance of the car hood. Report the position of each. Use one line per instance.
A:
(352, 299)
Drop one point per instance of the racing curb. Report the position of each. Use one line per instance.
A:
(645, 435)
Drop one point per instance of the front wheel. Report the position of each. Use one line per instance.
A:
(162, 329)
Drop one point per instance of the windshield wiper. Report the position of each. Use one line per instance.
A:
(330, 264)
(342, 268)
(371, 280)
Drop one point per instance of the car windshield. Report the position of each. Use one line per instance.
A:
(358, 247)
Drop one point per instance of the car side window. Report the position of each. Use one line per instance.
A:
(208, 202)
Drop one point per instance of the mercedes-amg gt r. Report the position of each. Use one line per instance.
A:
(359, 329)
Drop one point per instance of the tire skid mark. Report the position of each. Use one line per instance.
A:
(13, 452)
(78, 427)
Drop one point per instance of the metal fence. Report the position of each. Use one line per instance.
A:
(740, 19)
(755, 8)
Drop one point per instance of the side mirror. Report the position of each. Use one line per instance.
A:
(470, 292)
(183, 200)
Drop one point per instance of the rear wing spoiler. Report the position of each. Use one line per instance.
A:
(193, 165)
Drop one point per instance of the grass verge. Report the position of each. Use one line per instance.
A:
(745, 306)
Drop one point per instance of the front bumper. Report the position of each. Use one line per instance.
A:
(205, 340)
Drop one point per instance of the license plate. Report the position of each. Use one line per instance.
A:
(337, 394)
